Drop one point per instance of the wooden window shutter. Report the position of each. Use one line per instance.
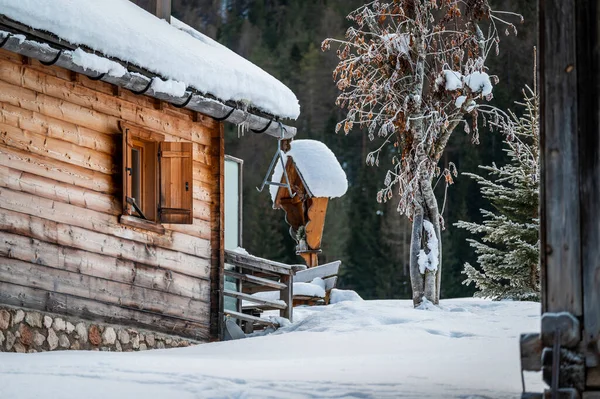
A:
(176, 179)
(127, 146)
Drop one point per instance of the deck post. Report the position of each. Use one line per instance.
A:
(287, 295)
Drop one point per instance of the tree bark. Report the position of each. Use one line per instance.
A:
(416, 278)
(425, 285)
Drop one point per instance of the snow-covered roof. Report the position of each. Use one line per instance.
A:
(120, 29)
(318, 167)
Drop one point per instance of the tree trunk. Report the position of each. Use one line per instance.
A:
(425, 285)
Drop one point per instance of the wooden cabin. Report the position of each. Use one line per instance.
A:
(112, 174)
(312, 176)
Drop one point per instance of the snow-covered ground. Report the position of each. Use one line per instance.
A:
(468, 348)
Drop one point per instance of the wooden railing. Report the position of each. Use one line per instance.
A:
(255, 274)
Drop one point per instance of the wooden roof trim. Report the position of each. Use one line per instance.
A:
(52, 49)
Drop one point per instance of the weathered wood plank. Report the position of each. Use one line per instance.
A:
(255, 263)
(588, 103)
(61, 171)
(593, 378)
(287, 296)
(256, 280)
(99, 222)
(217, 223)
(78, 94)
(52, 189)
(59, 129)
(56, 149)
(316, 222)
(75, 284)
(203, 173)
(70, 194)
(38, 299)
(323, 271)
(254, 299)
(96, 265)
(250, 318)
(56, 108)
(560, 211)
(92, 241)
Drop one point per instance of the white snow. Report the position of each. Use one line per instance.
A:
(120, 29)
(399, 42)
(337, 296)
(172, 87)
(98, 64)
(453, 79)
(318, 167)
(467, 348)
(309, 289)
(460, 100)
(429, 261)
(479, 81)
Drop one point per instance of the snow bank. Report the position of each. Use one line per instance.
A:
(366, 349)
(120, 29)
(318, 167)
(338, 296)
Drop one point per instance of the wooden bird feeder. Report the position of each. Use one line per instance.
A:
(314, 176)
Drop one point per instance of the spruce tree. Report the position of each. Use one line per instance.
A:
(508, 248)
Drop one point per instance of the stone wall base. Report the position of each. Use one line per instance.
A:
(29, 331)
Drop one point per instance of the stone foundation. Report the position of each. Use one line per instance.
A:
(28, 331)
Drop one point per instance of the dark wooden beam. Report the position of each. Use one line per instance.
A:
(162, 9)
(588, 136)
(559, 214)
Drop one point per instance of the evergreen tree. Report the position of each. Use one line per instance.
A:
(508, 252)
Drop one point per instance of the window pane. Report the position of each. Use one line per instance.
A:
(136, 176)
(232, 204)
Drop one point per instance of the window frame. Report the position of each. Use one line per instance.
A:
(149, 145)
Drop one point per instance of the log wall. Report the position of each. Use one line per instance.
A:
(62, 248)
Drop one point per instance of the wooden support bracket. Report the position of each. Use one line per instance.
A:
(566, 323)
(531, 352)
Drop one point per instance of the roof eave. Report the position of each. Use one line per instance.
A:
(49, 48)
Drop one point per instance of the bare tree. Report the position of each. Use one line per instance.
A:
(409, 73)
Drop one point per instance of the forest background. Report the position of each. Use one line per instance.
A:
(372, 240)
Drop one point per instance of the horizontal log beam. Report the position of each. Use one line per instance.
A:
(250, 298)
(59, 129)
(99, 222)
(39, 299)
(61, 171)
(118, 294)
(70, 194)
(92, 241)
(58, 150)
(101, 266)
(137, 82)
